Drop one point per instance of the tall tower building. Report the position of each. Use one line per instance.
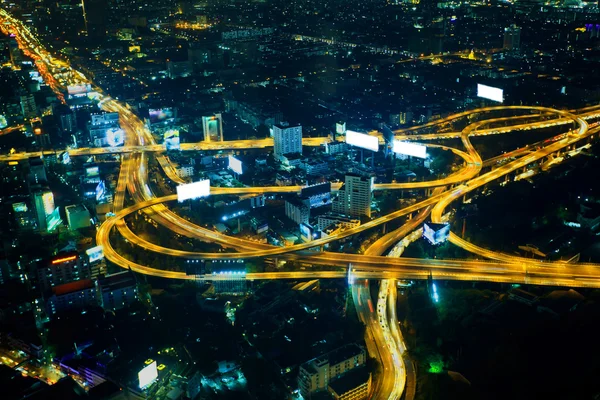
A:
(212, 127)
(288, 139)
(28, 106)
(355, 196)
(46, 212)
(95, 15)
(512, 37)
(37, 171)
(15, 53)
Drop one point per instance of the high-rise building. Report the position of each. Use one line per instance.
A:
(355, 196)
(15, 53)
(72, 296)
(118, 290)
(37, 171)
(64, 268)
(297, 210)
(315, 375)
(68, 123)
(212, 126)
(95, 15)
(77, 216)
(47, 214)
(105, 130)
(28, 106)
(512, 37)
(287, 139)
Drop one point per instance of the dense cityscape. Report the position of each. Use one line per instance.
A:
(213, 199)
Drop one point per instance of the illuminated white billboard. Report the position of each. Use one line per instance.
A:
(115, 137)
(436, 233)
(409, 149)
(95, 253)
(79, 89)
(491, 93)
(362, 140)
(235, 165)
(171, 139)
(148, 375)
(193, 190)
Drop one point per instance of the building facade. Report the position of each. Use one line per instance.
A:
(355, 196)
(287, 139)
(212, 127)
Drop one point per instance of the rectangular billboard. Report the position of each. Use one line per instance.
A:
(234, 164)
(148, 375)
(19, 207)
(100, 190)
(436, 233)
(115, 137)
(409, 149)
(79, 89)
(193, 190)
(362, 140)
(306, 232)
(491, 93)
(160, 114)
(95, 253)
(171, 139)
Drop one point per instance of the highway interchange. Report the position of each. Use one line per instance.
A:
(383, 336)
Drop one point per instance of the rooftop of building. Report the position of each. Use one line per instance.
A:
(75, 208)
(285, 125)
(73, 287)
(339, 217)
(436, 227)
(117, 281)
(349, 380)
(296, 201)
(60, 258)
(343, 353)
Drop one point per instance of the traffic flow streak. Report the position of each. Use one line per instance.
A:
(501, 171)
(309, 142)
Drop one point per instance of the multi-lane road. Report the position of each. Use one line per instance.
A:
(385, 338)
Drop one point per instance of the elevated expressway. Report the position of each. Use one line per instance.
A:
(361, 262)
(371, 265)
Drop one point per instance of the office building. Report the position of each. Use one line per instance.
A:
(68, 123)
(297, 210)
(47, 214)
(118, 290)
(336, 220)
(354, 197)
(15, 53)
(78, 217)
(95, 15)
(355, 385)
(317, 374)
(241, 206)
(336, 147)
(318, 195)
(512, 38)
(76, 295)
(37, 171)
(287, 140)
(105, 130)
(63, 268)
(178, 69)
(212, 127)
(28, 106)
